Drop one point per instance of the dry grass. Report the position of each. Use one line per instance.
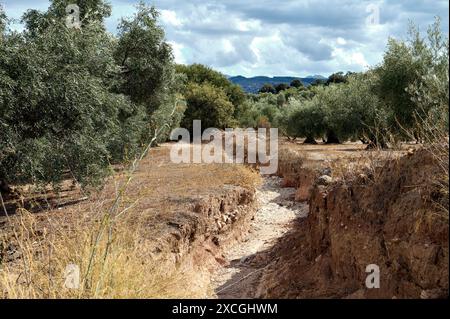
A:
(115, 252)
(366, 165)
(437, 143)
(345, 160)
(290, 161)
(121, 268)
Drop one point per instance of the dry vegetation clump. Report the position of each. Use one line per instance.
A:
(437, 144)
(118, 239)
(290, 164)
(441, 154)
(363, 166)
(113, 262)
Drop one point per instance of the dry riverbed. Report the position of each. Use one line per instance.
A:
(245, 262)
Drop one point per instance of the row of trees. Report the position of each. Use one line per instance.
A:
(382, 103)
(338, 77)
(269, 88)
(75, 100)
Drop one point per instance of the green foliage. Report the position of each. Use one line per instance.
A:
(395, 74)
(292, 92)
(281, 87)
(90, 10)
(410, 64)
(307, 121)
(206, 78)
(261, 108)
(283, 118)
(339, 111)
(281, 99)
(338, 77)
(3, 22)
(61, 114)
(209, 104)
(364, 115)
(297, 84)
(74, 100)
(267, 88)
(389, 101)
(248, 116)
(200, 74)
(147, 72)
(144, 57)
(318, 82)
(431, 93)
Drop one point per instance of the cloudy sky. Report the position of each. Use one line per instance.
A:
(270, 37)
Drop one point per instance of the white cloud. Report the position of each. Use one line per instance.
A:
(341, 41)
(170, 17)
(269, 37)
(178, 52)
(358, 58)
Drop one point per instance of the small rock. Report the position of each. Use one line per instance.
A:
(243, 259)
(359, 294)
(431, 294)
(324, 180)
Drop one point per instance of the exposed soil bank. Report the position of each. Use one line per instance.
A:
(387, 217)
(198, 237)
(178, 218)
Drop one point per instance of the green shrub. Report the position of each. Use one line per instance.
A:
(209, 104)
(198, 75)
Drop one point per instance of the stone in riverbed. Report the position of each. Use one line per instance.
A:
(324, 180)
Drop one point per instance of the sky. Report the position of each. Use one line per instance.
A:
(277, 38)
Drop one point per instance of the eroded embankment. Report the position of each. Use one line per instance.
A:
(386, 217)
(202, 225)
(198, 238)
(172, 225)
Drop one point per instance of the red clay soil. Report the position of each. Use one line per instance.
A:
(389, 218)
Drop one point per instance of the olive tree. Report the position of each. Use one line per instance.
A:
(72, 101)
(209, 104)
(307, 121)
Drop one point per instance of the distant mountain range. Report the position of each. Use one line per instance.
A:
(252, 85)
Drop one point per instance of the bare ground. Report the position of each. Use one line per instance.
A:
(239, 275)
(177, 211)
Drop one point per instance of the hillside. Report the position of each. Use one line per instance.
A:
(252, 85)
